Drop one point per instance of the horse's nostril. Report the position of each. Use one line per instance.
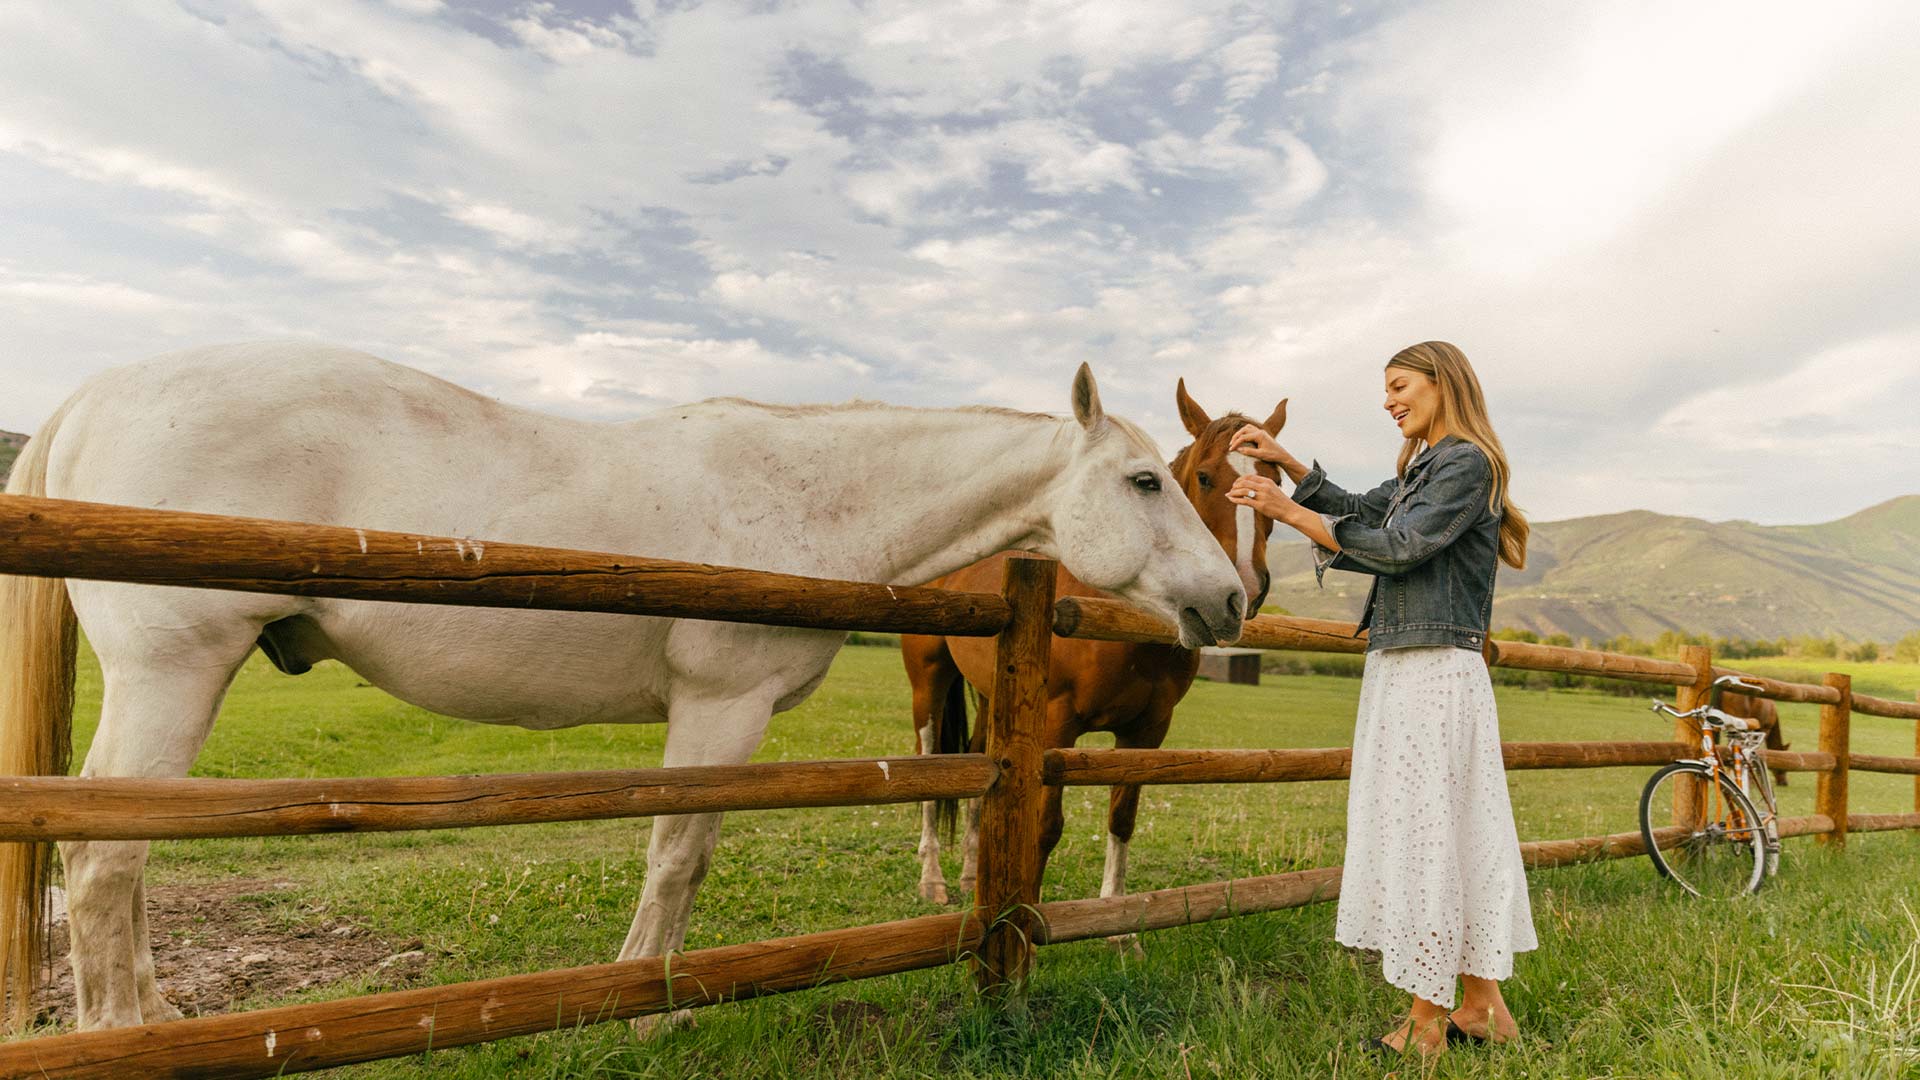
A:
(1233, 606)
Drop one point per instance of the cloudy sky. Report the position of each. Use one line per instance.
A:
(1680, 242)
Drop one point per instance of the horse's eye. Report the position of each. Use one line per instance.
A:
(1145, 481)
(1206, 482)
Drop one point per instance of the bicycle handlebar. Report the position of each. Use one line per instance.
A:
(1713, 717)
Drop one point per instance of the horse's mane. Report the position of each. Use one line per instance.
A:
(1135, 434)
(1132, 431)
(863, 405)
(1220, 428)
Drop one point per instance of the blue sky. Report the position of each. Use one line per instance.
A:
(1679, 241)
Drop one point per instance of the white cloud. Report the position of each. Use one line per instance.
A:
(1549, 127)
(1610, 207)
(24, 294)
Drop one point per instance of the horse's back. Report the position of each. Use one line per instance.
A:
(297, 431)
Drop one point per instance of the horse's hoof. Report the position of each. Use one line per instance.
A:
(934, 892)
(654, 1025)
(159, 1010)
(966, 886)
(1128, 945)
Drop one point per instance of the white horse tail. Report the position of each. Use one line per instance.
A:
(38, 636)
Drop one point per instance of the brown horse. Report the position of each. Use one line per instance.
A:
(1129, 690)
(1761, 709)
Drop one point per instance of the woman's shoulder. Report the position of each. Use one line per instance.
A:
(1460, 467)
(1463, 457)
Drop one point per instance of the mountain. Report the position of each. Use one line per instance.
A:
(1640, 572)
(10, 445)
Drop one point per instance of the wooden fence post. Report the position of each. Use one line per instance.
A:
(1689, 796)
(1830, 789)
(1010, 812)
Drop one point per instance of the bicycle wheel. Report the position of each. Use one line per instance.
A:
(1725, 856)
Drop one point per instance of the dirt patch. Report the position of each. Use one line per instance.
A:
(214, 945)
(848, 1016)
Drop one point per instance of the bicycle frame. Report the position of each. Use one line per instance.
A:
(1749, 774)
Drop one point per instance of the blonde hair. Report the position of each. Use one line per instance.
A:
(1463, 411)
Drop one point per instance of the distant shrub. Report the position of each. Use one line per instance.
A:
(1821, 648)
(1288, 662)
(1627, 643)
(1865, 652)
(1907, 649)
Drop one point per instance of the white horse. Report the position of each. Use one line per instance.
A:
(864, 492)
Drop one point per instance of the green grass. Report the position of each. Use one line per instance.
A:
(1882, 678)
(1630, 979)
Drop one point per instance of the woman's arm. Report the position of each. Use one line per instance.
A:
(1451, 499)
(1314, 490)
(1429, 520)
(1266, 498)
(1321, 495)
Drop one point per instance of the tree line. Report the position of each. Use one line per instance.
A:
(1830, 647)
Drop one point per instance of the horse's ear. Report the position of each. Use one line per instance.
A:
(1191, 414)
(1278, 420)
(1086, 399)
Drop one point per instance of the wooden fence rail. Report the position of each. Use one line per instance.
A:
(1098, 767)
(301, 1038)
(37, 808)
(63, 539)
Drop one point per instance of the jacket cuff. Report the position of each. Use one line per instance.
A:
(1323, 556)
(1309, 484)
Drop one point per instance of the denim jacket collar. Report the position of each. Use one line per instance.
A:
(1424, 457)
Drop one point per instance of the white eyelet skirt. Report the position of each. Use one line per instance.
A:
(1433, 878)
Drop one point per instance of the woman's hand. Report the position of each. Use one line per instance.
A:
(1257, 443)
(1253, 441)
(1264, 496)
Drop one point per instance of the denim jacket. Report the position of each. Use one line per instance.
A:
(1430, 539)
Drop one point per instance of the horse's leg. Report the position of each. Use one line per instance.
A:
(1062, 730)
(970, 844)
(1770, 719)
(1123, 803)
(155, 713)
(932, 674)
(1123, 806)
(970, 850)
(700, 731)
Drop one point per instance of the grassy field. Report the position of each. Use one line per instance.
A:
(1816, 977)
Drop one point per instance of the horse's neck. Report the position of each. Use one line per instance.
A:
(962, 487)
(907, 495)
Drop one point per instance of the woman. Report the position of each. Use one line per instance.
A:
(1433, 875)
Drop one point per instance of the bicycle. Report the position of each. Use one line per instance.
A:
(1720, 841)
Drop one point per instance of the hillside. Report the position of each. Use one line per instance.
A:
(10, 445)
(1640, 572)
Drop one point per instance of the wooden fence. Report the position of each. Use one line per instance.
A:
(66, 539)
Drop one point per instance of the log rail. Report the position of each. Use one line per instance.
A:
(38, 808)
(67, 539)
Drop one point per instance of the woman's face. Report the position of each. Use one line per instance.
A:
(1413, 401)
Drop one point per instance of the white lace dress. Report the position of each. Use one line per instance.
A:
(1433, 878)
